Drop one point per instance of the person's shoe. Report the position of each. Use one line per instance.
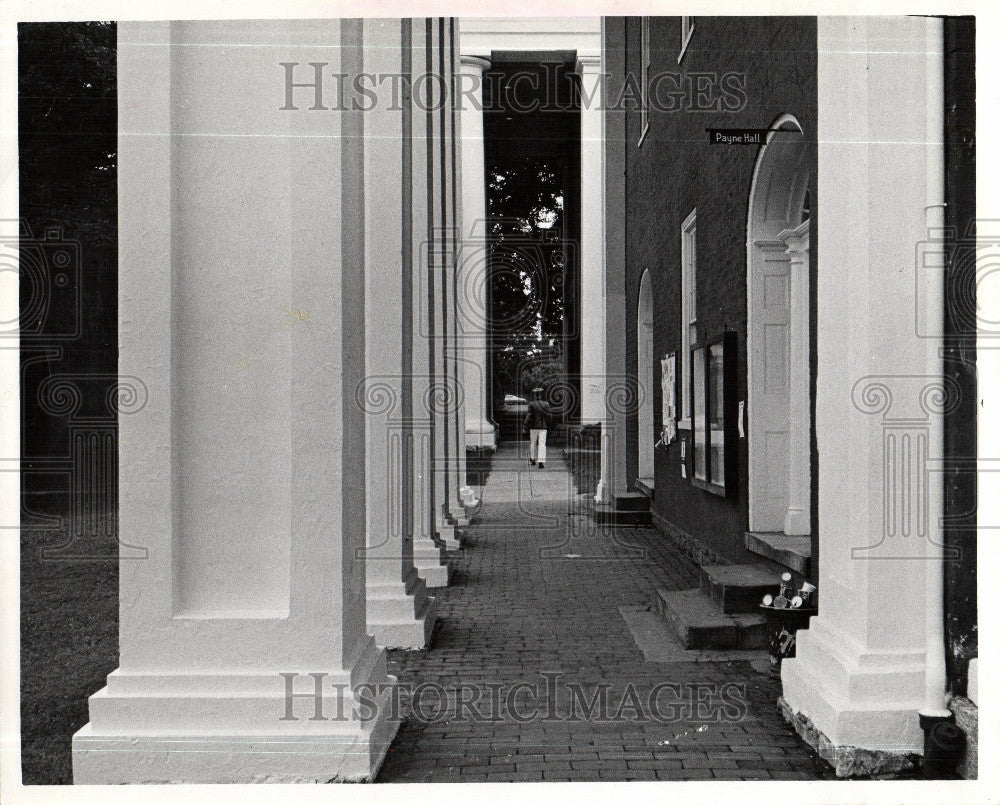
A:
(541, 466)
(531, 462)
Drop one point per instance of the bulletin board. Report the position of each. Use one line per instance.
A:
(668, 381)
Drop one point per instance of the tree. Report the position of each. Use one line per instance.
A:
(527, 265)
(67, 136)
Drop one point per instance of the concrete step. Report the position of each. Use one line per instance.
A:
(632, 501)
(700, 624)
(738, 588)
(608, 514)
(794, 553)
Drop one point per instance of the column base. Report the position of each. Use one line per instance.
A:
(232, 728)
(401, 615)
(103, 760)
(459, 516)
(601, 494)
(449, 537)
(847, 761)
(412, 633)
(480, 435)
(429, 559)
(857, 707)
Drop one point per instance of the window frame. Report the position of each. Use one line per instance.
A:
(729, 456)
(687, 28)
(643, 79)
(689, 310)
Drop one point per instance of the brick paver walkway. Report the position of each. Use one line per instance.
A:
(534, 602)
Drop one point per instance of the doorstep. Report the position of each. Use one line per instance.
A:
(794, 553)
(700, 622)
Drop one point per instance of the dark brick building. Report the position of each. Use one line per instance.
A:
(734, 73)
(714, 160)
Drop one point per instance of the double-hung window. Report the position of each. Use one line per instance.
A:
(689, 310)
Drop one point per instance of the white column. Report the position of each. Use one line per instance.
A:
(797, 516)
(473, 279)
(466, 494)
(400, 614)
(440, 264)
(458, 492)
(593, 372)
(935, 707)
(861, 669)
(615, 307)
(427, 554)
(241, 259)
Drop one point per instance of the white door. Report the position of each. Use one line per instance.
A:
(769, 377)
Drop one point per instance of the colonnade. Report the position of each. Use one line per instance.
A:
(288, 294)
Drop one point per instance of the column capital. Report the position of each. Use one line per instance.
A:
(587, 63)
(482, 63)
(796, 240)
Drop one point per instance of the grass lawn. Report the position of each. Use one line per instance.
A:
(69, 644)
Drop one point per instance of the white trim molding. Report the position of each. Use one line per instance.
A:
(687, 29)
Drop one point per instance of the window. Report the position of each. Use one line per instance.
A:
(687, 28)
(643, 79)
(715, 415)
(689, 313)
(700, 437)
(714, 458)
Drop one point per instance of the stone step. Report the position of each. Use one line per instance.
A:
(632, 501)
(700, 624)
(794, 553)
(646, 486)
(607, 514)
(738, 588)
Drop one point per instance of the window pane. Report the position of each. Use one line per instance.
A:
(715, 414)
(688, 302)
(698, 362)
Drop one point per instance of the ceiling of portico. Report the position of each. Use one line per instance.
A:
(480, 36)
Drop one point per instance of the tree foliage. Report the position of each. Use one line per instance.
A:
(67, 121)
(67, 144)
(528, 264)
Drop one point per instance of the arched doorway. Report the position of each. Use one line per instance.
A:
(778, 334)
(644, 375)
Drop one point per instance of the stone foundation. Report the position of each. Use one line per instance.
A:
(847, 761)
(691, 547)
(967, 718)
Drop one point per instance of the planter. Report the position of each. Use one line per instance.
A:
(782, 624)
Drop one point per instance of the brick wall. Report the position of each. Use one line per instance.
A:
(675, 170)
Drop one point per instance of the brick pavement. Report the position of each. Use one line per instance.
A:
(534, 602)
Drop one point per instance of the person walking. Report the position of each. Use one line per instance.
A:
(537, 423)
